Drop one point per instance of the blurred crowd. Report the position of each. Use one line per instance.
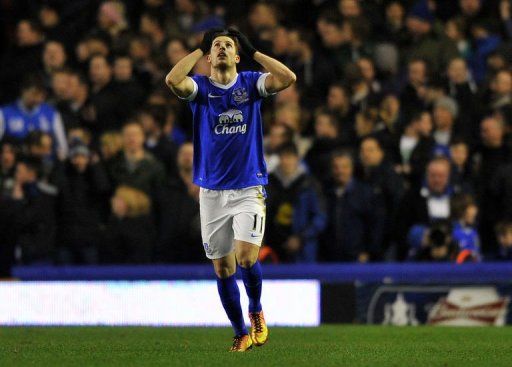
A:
(393, 145)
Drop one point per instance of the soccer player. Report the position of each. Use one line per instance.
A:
(229, 166)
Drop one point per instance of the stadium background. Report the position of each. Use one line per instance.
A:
(391, 155)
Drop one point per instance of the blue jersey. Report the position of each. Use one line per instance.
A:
(17, 122)
(228, 132)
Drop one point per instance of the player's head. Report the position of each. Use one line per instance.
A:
(224, 51)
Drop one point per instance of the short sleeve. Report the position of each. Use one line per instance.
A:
(192, 95)
(260, 85)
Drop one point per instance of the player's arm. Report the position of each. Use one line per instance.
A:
(178, 80)
(281, 77)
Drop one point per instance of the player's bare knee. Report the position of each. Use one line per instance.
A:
(224, 270)
(246, 262)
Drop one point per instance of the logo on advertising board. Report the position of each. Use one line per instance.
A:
(400, 313)
(470, 307)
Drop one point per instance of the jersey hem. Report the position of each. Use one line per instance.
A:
(252, 184)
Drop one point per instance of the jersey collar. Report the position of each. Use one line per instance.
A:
(222, 86)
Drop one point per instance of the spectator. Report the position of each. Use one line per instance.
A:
(81, 207)
(181, 236)
(501, 88)
(389, 126)
(130, 232)
(354, 227)
(54, 57)
(438, 244)
(378, 173)
(105, 108)
(485, 42)
(25, 56)
(445, 113)
(296, 214)
(162, 148)
(31, 113)
(465, 233)
(33, 213)
(325, 142)
(416, 147)
(338, 103)
(462, 176)
(171, 130)
(73, 106)
(490, 157)
(504, 236)
(134, 166)
(426, 205)
(131, 91)
(461, 87)
(413, 94)
(111, 145)
(278, 135)
(8, 155)
(424, 43)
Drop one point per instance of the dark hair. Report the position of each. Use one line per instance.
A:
(34, 25)
(503, 227)
(158, 113)
(155, 16)
(457, 141)
(32, 163)
(226, 33)
(343, 153)
(440, 233)
(459, 204)
(33, 81)
(288, 148)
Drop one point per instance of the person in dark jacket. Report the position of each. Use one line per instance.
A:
(354, 228)
(81, 211)
(134, 166)
(33, 214)
(387, 185)
(491, 156)
(152, 119)
(296, 214)
(130, 232)
(325, 142)
(180, 237)
(104, 110)
(425, 205)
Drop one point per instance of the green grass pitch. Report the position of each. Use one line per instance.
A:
(323, 346)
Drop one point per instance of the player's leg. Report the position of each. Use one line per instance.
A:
(247, 259)
(249, 227)
(217, 234)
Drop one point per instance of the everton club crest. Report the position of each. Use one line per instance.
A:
(240, 95)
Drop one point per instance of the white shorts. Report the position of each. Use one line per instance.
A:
(228, 215)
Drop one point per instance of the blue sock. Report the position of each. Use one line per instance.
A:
(230, 298)
(252, 281)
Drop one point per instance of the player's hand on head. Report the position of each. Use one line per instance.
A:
(209, 35)
(246, 45)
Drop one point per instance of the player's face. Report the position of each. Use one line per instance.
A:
(223, 53)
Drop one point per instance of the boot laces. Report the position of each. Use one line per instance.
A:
(257, 321)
